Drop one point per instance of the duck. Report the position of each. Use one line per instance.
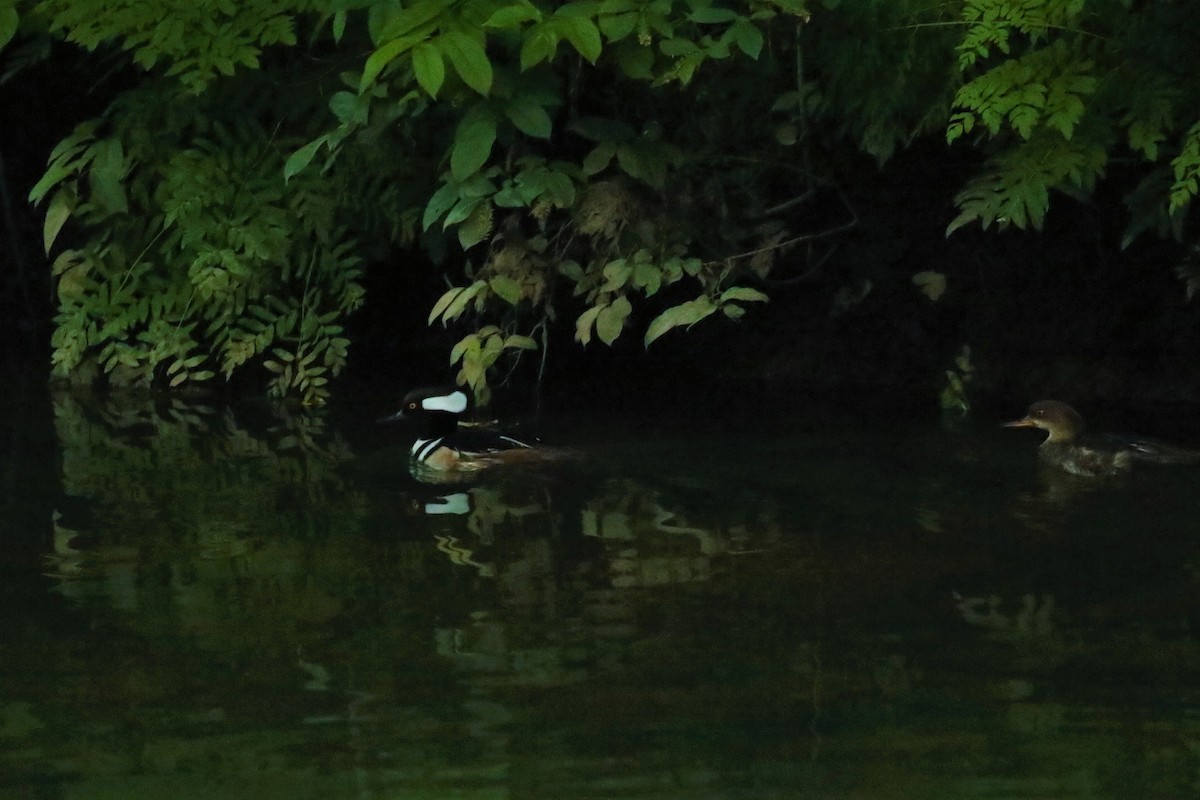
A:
(1067, 447)
(445, 444)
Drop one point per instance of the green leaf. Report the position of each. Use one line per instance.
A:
(469, 60)
(475, 228)
(442, 201)
(611, 319)
(558, 189)
(618, 26)
(712, 15)
(339, 25)
(412, 18)
(539, 46)
(647, 276)
(473, 141)
(8, 24)
(582, 33)
(381, 58)
(509, 197)
(512, 16)
(932, 284)
(688, 313)
(599, 159)
(469, 343)
(300, 159)
(429, 67)
(570, 270)
(464, 208)
(520, 342)
(350, 108)
(748, 37)
(743, 293)
(644, 162)
(529, 117)
(451, 304)
(57, 170)
(506, 289)
(56, 216)
(583, 325)
(616, 274)
(108, 167)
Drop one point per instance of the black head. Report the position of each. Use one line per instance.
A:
(437, 401)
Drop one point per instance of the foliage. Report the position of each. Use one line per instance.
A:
(201, 259)
(955, 394)
(625, 165)
(1048, 92)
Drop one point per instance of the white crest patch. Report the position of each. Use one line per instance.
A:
(454, 403)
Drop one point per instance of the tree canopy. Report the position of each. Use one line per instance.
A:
(562, 163)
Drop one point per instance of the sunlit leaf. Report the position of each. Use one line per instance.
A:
(583, 325)
(520, 342)
(459, 304)
(611, 319)
(743, 293)
(647, 276)
(688, 313)
(506, 289)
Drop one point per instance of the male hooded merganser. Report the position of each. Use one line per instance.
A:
(444, 445)
(1093, 455)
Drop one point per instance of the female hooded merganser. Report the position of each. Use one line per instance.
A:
(444, 445)
(1093, 455)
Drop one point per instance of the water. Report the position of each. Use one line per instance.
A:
(203, 602)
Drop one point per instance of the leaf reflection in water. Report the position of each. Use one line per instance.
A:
(246, 605)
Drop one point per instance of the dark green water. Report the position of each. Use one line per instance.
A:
(210, 603)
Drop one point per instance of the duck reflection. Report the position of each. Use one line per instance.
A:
(588, 633)
(220, 509)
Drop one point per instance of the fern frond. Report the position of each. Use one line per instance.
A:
(1015, 188)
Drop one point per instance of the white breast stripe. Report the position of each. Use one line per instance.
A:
(455, 402)
(423, 448)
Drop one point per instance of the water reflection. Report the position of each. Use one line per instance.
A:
(240, 603)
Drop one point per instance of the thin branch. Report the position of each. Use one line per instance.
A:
(807, 237)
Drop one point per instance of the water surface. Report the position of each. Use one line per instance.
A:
(209, 602)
